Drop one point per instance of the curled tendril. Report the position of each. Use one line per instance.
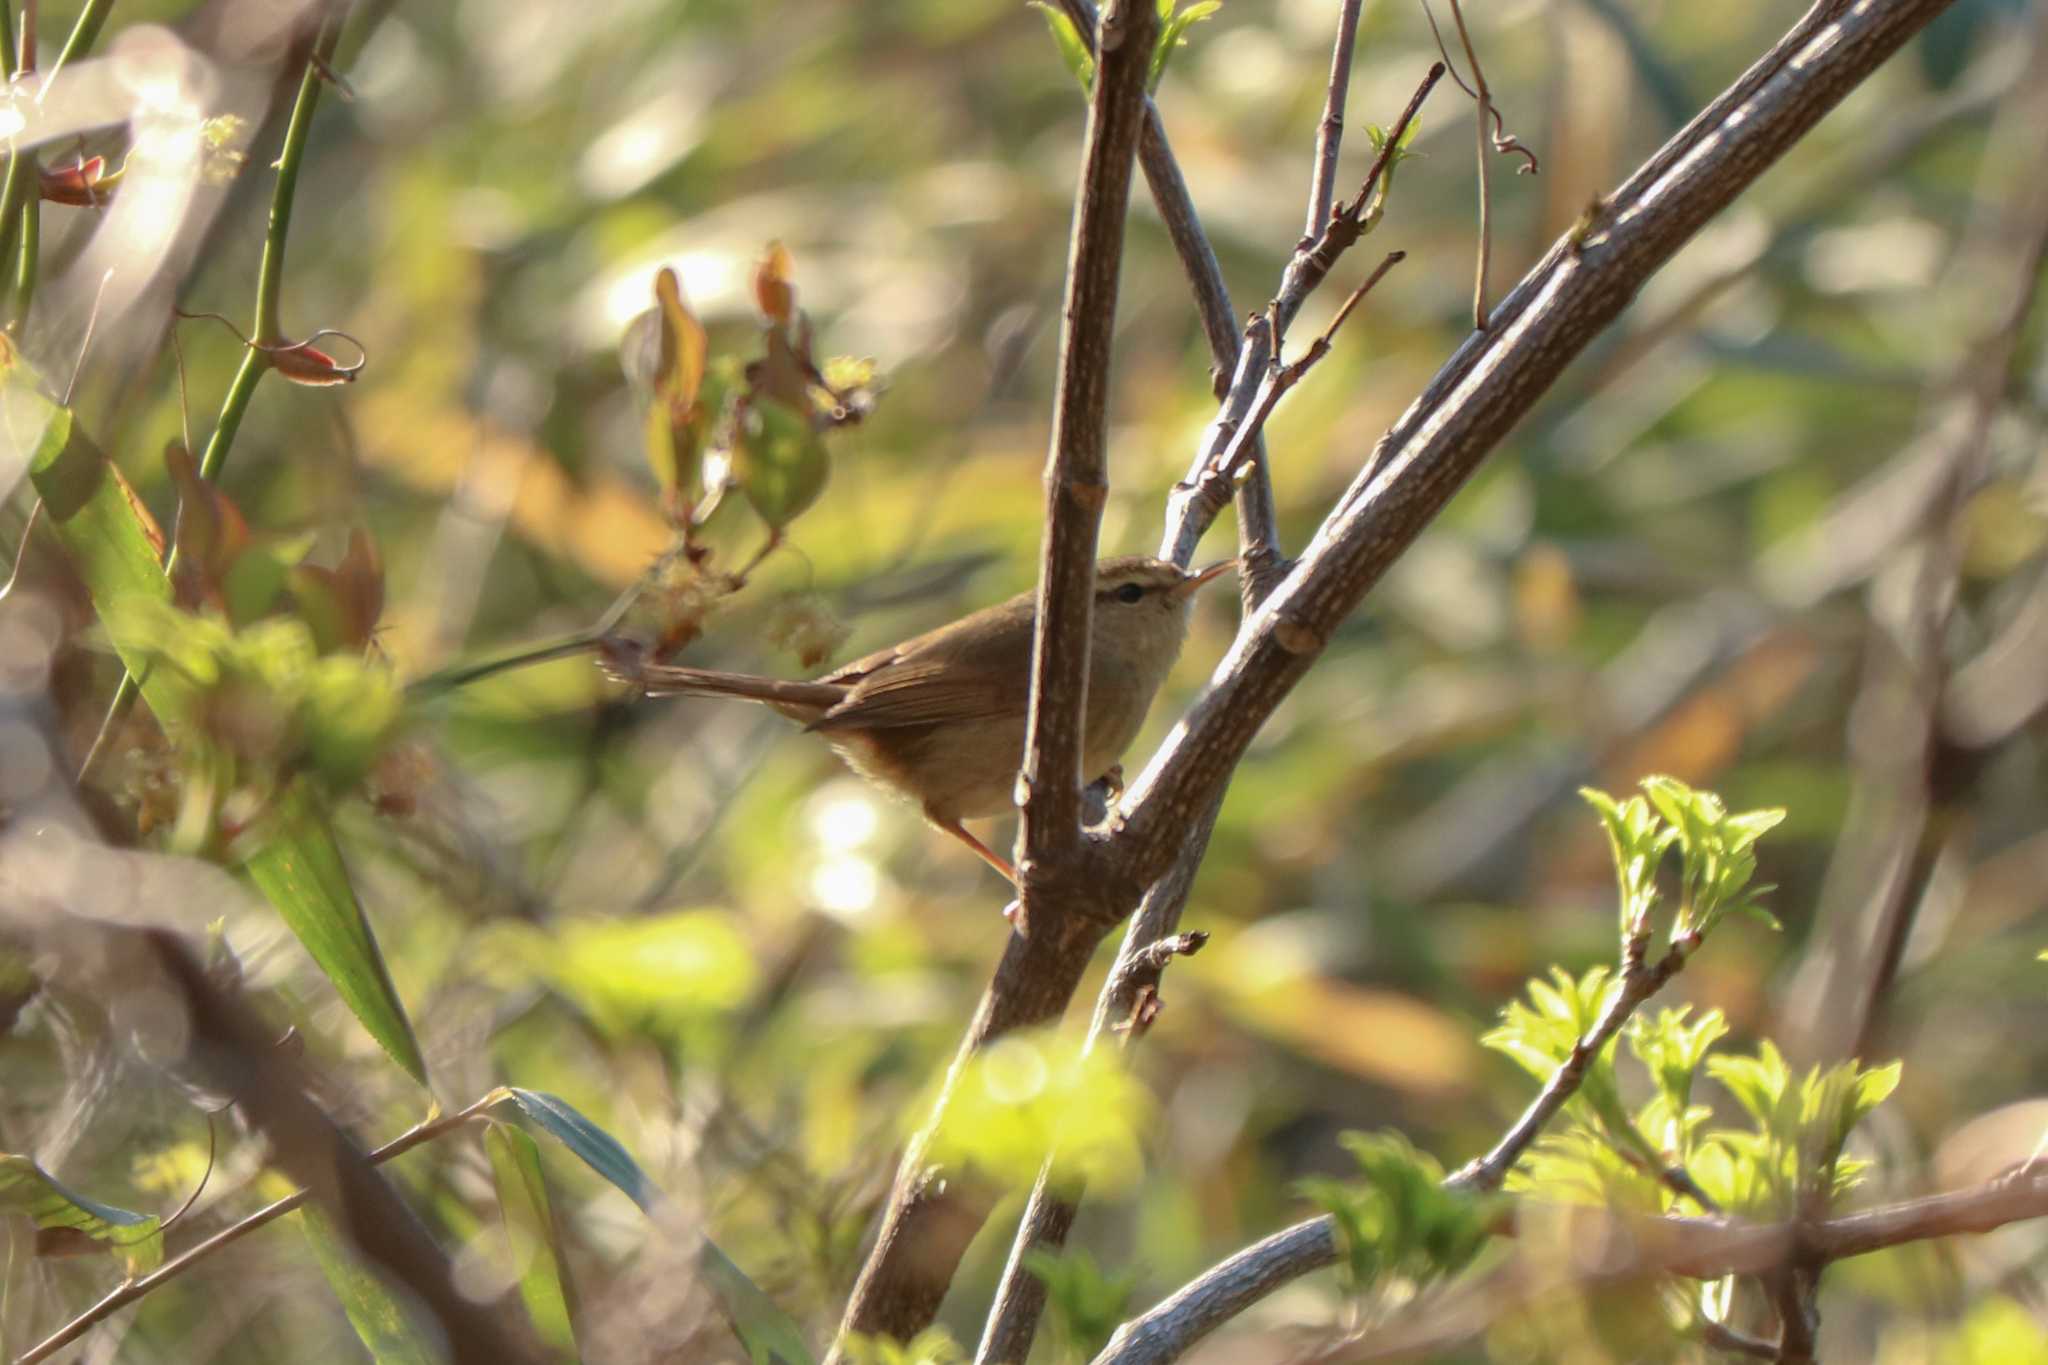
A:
(301, 361)
(212, 1146)
(1502, 139)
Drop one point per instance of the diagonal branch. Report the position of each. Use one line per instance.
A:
(1586, 281)
(1696, 1248)
(1493, 379)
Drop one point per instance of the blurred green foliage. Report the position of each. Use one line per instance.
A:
(737, 964)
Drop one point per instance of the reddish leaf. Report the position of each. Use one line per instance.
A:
(85, 185)
(305, 363)
(676, 420)
(211, 532)
(774, 291)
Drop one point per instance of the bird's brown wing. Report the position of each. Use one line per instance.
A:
(972, 670)
(915, 692)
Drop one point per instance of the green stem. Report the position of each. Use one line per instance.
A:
(20, 183)
(269, 285)
(269, 279)
(240, 391)
(461, 675)
(8, 56)
(31, 250)
(84, 32)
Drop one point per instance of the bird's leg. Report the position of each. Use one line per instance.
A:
(981, 850)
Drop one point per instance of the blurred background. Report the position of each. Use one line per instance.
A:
(1783, 534)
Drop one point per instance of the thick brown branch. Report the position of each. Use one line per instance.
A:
(1077, 470)
(1132, 989)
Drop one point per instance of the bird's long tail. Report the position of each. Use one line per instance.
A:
(674, 680)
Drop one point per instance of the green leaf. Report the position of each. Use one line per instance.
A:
(648, 973)
(1399, 1220)
(1673, 1050)
(779, 461)
(107, 533)
(298, 868)
(1042, 1090)
(116, 549)
(1086, 1303)
(1173, 33)
(768, 1333)
(380, 1322)
(530, 1233)
(1073, 47)
(597, 1149)
(932, 1346)
(256, 577)
(68, 1223)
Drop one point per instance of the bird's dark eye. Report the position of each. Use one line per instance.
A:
(1130, 592)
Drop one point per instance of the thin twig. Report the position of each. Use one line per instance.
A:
(132, 1291)
(1330, 132)
(1201, 494)
(1258, 532)
(1280, 378)
(1485, 112)
(1484, 105)
(1640, 980)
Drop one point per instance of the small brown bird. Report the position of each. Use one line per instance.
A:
(940, 718)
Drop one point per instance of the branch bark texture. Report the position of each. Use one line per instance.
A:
(932, 1215)
(1582, 285)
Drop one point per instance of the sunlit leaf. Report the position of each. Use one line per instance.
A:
(774, 290)
(298, 868)
(1398, 1218)
(1085, 1302)
(1027, 1094)
(107, 532)
(653, 971)
(530, 1233)
(380, 1322)
(770, 1336)
(1072, 46)
(1173, 33)
(68, 1223)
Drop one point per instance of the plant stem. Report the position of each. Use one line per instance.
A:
(84, 33)
(269, 284)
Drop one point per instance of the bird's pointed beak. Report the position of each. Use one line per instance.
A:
(1188, 585)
